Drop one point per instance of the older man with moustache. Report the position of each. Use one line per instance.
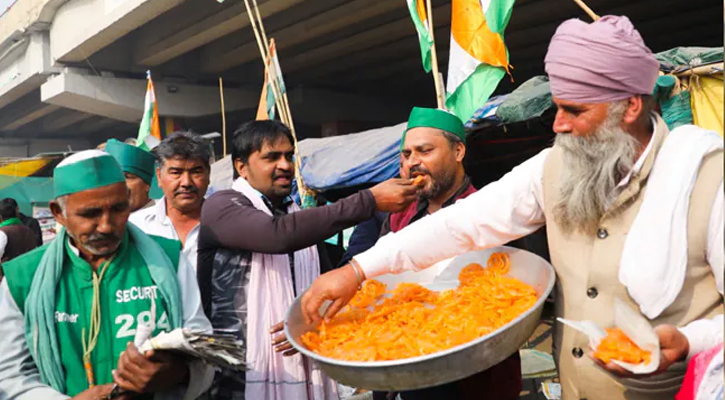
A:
(69, 310)
(183, 174)
(633, 211)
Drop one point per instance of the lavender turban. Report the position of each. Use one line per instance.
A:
(600, 62)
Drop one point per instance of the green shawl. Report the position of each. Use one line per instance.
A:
(40, 332)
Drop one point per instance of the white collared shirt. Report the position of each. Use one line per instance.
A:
(155, 221)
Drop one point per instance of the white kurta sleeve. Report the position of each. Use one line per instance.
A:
(704, 334)
(3, 243)
(19, 377)
(502, 211)
(201, 375)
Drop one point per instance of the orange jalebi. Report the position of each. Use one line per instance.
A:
(618, 346)
(415, 321)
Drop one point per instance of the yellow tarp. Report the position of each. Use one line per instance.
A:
(707, 101)
(24, 167)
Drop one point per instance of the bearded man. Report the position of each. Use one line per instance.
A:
(633, 212)
(432, 148)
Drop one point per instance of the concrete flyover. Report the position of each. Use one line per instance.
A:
(73, 71)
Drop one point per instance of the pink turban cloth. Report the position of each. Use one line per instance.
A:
(599, 62)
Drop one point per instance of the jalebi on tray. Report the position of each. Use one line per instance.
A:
(618, 346)
(412, 321)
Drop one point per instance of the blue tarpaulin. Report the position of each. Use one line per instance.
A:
(350, 160)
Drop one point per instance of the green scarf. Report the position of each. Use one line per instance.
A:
(40, 332)
(11, 221)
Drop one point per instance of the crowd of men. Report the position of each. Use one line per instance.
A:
(621, 225)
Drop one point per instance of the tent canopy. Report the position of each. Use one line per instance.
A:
(351, 160)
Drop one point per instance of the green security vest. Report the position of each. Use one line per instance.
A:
(126, 294)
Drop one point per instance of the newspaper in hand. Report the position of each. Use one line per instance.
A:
(221, 351)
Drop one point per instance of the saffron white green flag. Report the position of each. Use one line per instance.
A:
(478, 56)
(149, 132)
(421, 22)
(266, 109)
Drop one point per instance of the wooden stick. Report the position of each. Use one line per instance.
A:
(224, 118)
(261, 25)
(280, 99)
(434, 56)
(709, 69)
(265, 41)
(587, 10)
(265, 57)
(285, 102)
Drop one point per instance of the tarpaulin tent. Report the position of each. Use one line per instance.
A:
(504, 132)
(27, 191)
(694, 89)
(222, 175)
(351, 160)
(28, 180)
(372, 156)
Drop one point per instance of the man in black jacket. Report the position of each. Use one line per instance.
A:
(239, 225)
(29, 222)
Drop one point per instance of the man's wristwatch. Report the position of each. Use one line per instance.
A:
(116, 392)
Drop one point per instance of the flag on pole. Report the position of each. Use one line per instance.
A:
(421, 22)
(478, 56)
(266, 101)
(273, 73)
(149, 132)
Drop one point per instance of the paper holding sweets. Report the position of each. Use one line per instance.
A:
(636, 328)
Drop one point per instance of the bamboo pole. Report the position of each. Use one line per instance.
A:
(434, 57)
(285, 101)
(587, 10)
(281, 100)
(716, 68)
(265, 57)
(224, 118)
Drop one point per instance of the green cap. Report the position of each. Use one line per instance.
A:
(86, 170)
(132, 159)
(434, 118)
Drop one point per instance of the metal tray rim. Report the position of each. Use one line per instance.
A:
(412, 360)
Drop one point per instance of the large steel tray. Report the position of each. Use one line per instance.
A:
(448, 365)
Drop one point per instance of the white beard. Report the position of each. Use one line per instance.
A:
(592, 168)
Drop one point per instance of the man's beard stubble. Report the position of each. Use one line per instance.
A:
(440, 182)
(592, 169)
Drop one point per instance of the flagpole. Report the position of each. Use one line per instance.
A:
(224, 118)
(265, 57)
(587, 10)
(266, 42)
(280, 100)
(284, 115)
(434, 57)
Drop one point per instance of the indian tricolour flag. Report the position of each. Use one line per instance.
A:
(149, 132)
(421, 22)
(478, 56)
(266, 109)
